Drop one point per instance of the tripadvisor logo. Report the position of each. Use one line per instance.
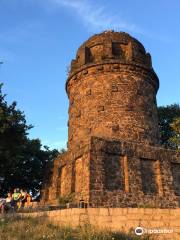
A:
(139, 231)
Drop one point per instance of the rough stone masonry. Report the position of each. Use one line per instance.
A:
(114, 158)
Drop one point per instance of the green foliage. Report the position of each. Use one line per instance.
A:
(176, 128)
(13, 132)
(169, 125)
(40, 228)
(22, 161)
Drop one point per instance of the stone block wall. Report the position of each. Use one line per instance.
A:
(142, 175)
(118, 173)
(71, 176)
(175, 167)
(119, 219)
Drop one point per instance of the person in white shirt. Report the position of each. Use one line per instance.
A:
(9, 201)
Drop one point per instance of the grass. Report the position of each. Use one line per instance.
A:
(14, 228)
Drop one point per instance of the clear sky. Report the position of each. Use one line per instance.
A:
(38, 39)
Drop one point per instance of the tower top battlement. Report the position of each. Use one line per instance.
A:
(111, 47)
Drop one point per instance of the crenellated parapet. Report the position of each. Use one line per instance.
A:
(111, 47)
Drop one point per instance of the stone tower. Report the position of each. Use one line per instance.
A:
(112, 91)
(114, 157)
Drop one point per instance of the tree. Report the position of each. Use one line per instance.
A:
(169, 124)
(30, 167)
(13, 133)
(22, 160)
(176, 128)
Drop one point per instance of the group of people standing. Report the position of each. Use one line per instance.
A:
(15, 201)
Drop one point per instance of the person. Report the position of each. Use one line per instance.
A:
(23, 198)
(9, 201)
(9, 198)
(16, 197)
(28, 200)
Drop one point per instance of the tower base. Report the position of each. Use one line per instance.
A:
(116, 173)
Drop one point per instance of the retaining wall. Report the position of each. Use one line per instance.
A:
(119, 219)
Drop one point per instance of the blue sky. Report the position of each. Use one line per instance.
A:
(38, 39)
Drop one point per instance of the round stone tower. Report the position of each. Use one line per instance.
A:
(112, 91)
